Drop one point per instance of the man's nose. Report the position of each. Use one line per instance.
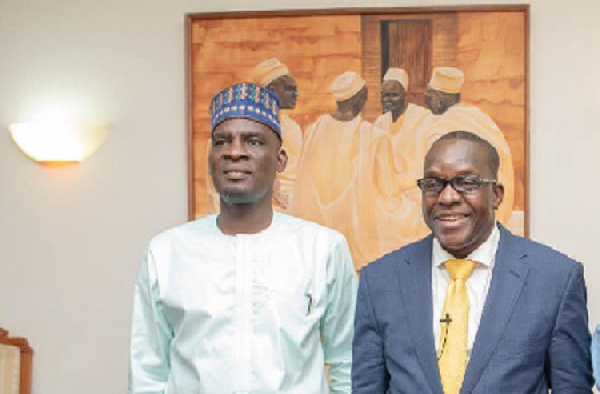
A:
(236, 149)
(449, 195)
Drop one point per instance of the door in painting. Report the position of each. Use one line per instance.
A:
(408, 44)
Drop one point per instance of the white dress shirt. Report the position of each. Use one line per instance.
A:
(251, 313)
(477, 284)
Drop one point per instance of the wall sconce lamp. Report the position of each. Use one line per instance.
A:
(59, 143)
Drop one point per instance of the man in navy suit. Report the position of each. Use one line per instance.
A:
(527, 315)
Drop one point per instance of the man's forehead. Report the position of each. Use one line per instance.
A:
(288, 79)
(463, 145)
(435, 92)
(456, 167)
(391, 85)
(241, 124)
(459, 153)
(244, 127)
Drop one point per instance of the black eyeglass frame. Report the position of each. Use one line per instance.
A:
(478, 182)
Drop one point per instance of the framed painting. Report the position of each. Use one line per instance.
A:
(364, 93)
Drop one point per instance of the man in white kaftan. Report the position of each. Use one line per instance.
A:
(248, 301)
(403, 121)
(221, 314)
(276, 76)
(347, 177)
(449, 114)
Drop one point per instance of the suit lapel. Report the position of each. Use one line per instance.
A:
(508, 279)
(415, 280)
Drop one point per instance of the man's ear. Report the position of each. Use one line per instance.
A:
(282, 159)
(498, 194)
(208, 154)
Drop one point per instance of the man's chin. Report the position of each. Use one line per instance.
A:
(241, 197)
(232, 194)
(452, 239)
(457, 248)
(235, 198)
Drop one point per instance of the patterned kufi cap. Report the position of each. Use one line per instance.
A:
(398, 75)
(246, 100)
(447, 79)
(346, 85)
(269, 70)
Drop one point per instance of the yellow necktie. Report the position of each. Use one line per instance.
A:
(452, 357)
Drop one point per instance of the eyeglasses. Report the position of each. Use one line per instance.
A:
(460, 183)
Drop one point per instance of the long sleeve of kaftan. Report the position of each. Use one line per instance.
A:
(337, 326)
(596, 356)
(150, 335)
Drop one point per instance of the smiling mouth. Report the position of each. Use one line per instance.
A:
(236, 174)
(450, 218)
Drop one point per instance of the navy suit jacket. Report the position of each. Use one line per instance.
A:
(533, 334)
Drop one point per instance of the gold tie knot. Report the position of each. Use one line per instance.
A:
(460, 268)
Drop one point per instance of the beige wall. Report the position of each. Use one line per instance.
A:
(71, 237)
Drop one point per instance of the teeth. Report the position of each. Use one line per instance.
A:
(235, 173)
(451, 218)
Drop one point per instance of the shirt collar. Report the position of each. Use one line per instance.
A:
(484, 255)
(276, 221)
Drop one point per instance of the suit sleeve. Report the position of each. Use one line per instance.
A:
(151, 335)
(369, 372)
(569, 361)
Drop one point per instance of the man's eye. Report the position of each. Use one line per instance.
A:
(254, 142)
(431, 183)
(219, 142)
(468, 182)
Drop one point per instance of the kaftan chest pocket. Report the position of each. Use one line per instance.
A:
(291, 313)
(299, 304)
(286, 286)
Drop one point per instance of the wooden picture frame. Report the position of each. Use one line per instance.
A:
(489, 44)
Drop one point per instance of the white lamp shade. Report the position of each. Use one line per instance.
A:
(57, 142)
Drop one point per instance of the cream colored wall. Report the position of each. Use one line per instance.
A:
(71, 237)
